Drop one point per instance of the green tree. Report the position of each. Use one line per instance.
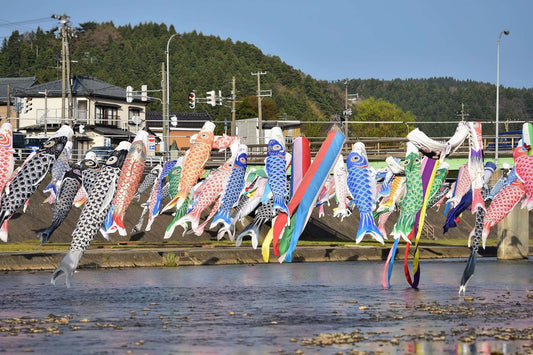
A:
(247, 108)
(132, 55)
(376, 110)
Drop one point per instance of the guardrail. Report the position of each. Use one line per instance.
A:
(378, 149)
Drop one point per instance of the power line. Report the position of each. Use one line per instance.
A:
(24, 22)
(23, 25)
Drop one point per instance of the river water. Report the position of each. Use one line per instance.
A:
(324, 308)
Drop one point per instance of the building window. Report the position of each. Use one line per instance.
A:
(106, 115)
(82, 111)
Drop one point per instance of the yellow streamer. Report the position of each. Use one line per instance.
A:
(423, 216)
(265, 247)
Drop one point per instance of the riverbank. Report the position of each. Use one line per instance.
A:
(130, 256)
(298, 308)
(324, 239)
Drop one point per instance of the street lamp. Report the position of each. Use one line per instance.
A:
(505, 32)
(166, 128)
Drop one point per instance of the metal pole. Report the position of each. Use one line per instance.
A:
(164, 117)
(259, 108)
(506, 32)
(45, 112)
(166, 133)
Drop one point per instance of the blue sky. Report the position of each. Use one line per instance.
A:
(334, 39)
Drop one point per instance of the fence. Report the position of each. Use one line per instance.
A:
(377, 149)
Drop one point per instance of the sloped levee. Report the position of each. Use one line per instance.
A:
(25, 226)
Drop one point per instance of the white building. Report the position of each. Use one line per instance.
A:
(100, 113)
(248, 130)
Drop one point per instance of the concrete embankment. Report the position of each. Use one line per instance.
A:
(23, 227)
(173, 257)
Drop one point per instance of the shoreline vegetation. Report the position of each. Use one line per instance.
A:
(34, 245)
(29, 256)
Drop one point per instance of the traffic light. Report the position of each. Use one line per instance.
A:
(18, 105)
(129, 94)
(192, 100)
(144, 93)
(211, 100)
(27, 104)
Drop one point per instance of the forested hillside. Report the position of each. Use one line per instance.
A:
(132, 55)
(441, 99)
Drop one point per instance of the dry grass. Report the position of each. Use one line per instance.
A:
(34, 246)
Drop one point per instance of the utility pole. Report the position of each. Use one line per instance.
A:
(259, 98)
(8, 100)
(65, 66)
(463, 112)
(233, 128)
(164, 102)
(345, 94)
(69, 86)
(46, 112)
(352, 98)
(63, 74)
(346, 108)
(348, 111)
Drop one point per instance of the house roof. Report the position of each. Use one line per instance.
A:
(268, 124)
(112, 132)
(281, 124)
(80, 86)
(185, 119)
(105, 131)
(15, 85)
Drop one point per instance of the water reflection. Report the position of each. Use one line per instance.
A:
(264, 308)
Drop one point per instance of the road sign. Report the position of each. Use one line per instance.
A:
(151, 145)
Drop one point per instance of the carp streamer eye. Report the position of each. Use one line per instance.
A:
(277, 147)
(204, 135)
(111, 160)
(4, 139)
(405, 162)
(243, 160)
(90, 163)
(49, 144)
